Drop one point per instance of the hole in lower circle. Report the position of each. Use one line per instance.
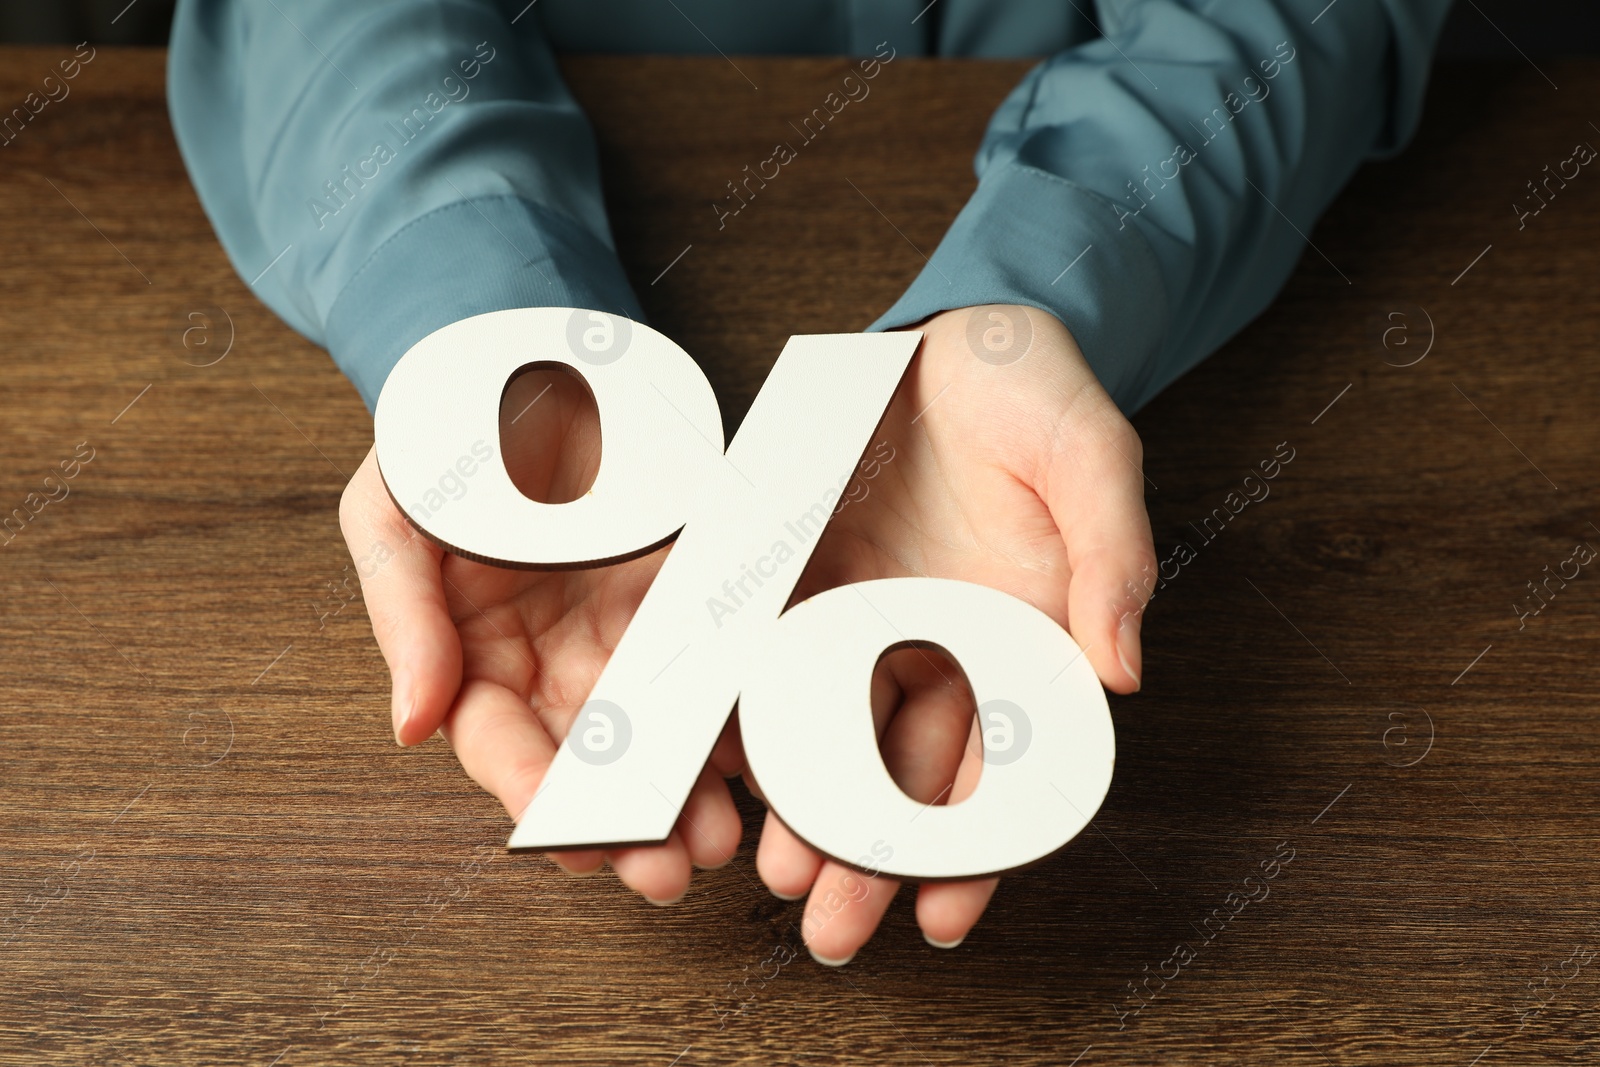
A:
(926, 722)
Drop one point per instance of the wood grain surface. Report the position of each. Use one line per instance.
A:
(211, 852)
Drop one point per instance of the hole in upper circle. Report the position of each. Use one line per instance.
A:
(550, 433)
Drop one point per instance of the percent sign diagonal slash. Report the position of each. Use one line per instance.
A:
(736, 562)
(708, 632)
(749, 521)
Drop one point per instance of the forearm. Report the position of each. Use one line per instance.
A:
(377, 172)
(1152, 188)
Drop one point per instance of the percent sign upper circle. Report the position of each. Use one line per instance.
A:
(651, 470)
(598, 338)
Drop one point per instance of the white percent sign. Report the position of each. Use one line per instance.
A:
(801, 678)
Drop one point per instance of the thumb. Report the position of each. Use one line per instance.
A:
(1093, 484)
(404, 591)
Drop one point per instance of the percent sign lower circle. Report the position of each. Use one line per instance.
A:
(711, 631)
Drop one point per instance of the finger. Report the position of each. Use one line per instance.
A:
(710, 824)
(1094, 487)
(754, 786)
(786, 864)
(728, 754)
(923, 744)
(947, 911)
(581, 864)
(404, 591)
(500, 743)
(926, 738)
(843, 910)
(503, 747)
(659, 873)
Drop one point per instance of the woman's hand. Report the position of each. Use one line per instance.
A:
(499, 661)
(1001, 461)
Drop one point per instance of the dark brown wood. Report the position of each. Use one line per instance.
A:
(263, 874)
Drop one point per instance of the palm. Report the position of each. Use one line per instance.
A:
(950, 503)
(500, 660)
(543, 636)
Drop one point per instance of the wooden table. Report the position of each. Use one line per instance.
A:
(212, 852)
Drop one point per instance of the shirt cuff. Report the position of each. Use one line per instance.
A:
(1032, 238)
(449, 265)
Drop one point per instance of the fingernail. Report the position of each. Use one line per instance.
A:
(667, 902)
(943, 944)
(826, 962)
(786, 896)
(402, 703)
(1128, 649)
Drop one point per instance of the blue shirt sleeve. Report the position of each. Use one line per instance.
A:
(378, 171)
(1152, 188)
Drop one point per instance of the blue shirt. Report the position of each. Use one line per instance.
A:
(380, 170)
